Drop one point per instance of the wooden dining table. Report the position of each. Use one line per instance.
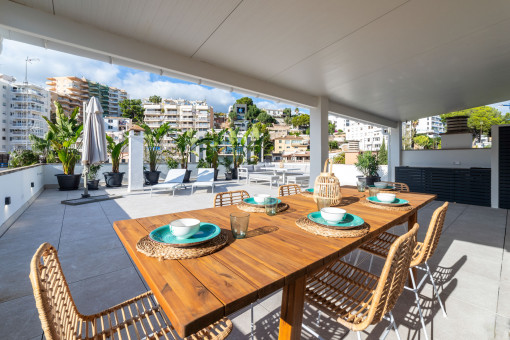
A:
(275, 254)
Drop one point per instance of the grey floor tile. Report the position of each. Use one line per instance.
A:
(83, 246)
(78, 267)
(101, 292)
(14, 271)
(20, 319)
(502, 328)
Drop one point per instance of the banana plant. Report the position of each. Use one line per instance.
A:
(43, 145)
(115, 150)
(212, 142)
(153, 139)
(66, 131)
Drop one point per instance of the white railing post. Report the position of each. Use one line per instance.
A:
(394, 150)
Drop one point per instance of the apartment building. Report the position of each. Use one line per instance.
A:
(431, 126)
(180, 114)
(22, 109)
(82, 89)
(370, 137)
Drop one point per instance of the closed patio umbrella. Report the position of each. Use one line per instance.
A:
(94, 139)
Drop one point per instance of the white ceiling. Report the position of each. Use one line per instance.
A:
(394, 58)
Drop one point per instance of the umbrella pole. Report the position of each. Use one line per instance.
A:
(85, 187)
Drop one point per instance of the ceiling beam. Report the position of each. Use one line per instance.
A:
(89, 41)
(360, 115)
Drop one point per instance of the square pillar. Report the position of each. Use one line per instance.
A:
(135, 165)
(319, 146)
(394, 150)
(495, 167)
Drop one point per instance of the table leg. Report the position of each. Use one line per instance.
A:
(413, 218)
(293, 300)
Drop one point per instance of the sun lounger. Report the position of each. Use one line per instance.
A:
(174, 179)
(205, 179)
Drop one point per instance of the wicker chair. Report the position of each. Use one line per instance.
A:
(398, 186)
(230, 198)
(358, 298)
(289, 189)
(423, 251)
(137, 318)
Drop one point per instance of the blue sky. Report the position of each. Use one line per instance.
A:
(139, 84)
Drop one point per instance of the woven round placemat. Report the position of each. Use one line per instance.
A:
(162, 251)
(251, 208)
(307, 194)
(386, 207)
(318, 229)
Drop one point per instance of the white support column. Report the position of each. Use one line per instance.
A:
(135, 165)
(319, 147)
(495, 167)
(394, 150)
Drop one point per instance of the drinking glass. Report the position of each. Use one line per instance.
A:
(239, 223)
(361, 186)
(373, 191)
(323, 202)
(270, 203)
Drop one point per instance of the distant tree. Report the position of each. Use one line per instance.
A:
(266, 118)
(296, 111)
(333, 145)
(232, 116)
(132, 108)
(252, 113)
(331, 127)
(301, 120)
(245, 100)
(288, 120)
(339, 159)
(383, 153)
(287, 112)
(155, 99)
(424, 141)
(480, 119)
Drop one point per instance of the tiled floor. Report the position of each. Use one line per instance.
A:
(472, 265)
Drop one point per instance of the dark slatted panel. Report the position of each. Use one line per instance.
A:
(469, 186)
(504, 167)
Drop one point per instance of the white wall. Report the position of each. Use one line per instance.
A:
(458, 158)
(347, 173)
(16, 184)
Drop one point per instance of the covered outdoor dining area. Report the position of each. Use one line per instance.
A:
(294, 258)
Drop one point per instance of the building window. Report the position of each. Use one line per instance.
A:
(3, 138)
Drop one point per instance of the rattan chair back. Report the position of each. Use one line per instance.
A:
(223, 199)
(398, 186)
(289, 189)
(393, 277)
(429, 245)
(57, 310)
(327, 186)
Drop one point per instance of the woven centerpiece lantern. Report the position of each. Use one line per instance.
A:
(327, 186)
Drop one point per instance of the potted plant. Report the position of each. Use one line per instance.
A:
(368, 164)
(227, 164)
(153, 139)
(114, 177)
(43, 146)
(238, 149)
(66, 131)
(92, 180)
(185, 144)
(213, 141)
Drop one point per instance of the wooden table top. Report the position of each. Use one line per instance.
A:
(197, 292)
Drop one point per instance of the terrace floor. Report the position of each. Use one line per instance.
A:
(472, 267)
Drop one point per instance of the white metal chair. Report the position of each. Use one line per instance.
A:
(205, 179)
(174, 179)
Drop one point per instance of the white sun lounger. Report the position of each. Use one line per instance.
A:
(264, 177)
(205, 179)
(174, 179)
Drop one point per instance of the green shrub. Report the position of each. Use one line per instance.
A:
(339, 159)
(20, 158)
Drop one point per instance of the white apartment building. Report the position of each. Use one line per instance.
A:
(431, 126)
(115, 96)
(22, 109)
(180, 114)
(370, 137)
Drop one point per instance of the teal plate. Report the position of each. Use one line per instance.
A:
(349, 221)
(310, 190)
(388, 187)
(251, 200)
(206, 232)
(397, 202)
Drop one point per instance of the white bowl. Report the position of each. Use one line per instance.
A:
(259, 198)
(380, 185)
(184, 228)
(386, 197)
(333, 215)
